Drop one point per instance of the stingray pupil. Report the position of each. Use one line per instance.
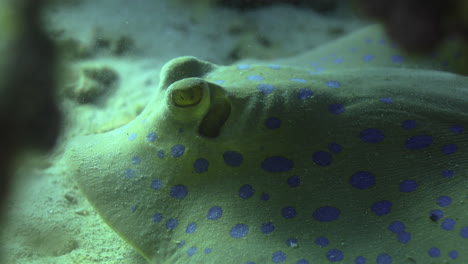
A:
(188, 96)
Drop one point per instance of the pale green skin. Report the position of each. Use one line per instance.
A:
(435, 99)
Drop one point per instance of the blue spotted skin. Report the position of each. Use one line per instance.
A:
(343, 155)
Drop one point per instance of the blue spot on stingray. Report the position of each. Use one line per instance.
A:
(181, 130)
(171, 223)
(177, 150)
(335, 255)
(322, 158)
(338, 60)
(246, 191)
(333, 84)
(322, 241)
(179, 191)
(250, 262)
(457, 129)
(334, 147)
(448, 224)
(408, 186)
(326, 214)
(436, 215)
(277, 164)
(265, 88)
(273, 123)
(404, 237)
(157, 217)
(219, 81)
(191, 228)
(294, 181)
(181, 243)
(292, 242)
(362, 180)
(134, 208)
(434, 252)
(396, 227)
(360, 260)
(191, 251)
(315, 64)
(298, 80)
(408, 124)
(278, 257)
(201, 165)
(464, 232)
(151, 137)
(239, 231)
(132, 136)
(444, 201)
(265, 197)
(336, 109)
(453, 254)
(449, 149)
(161, 154)
(418, 142)
(274, 66)
(302, 261)
(136, 160)
(267, 228)
(304, 94)
(208, 250)
(368, 57)
(448, 173)
(317, 70)
(214, 213)
(384, 258)
(372, 135)
(386, 100)
(398, 59)
(129, 173)
(232, 158)
(243, 66)
(255, 78)
(382, 208)
(288, 212)
(156, 184)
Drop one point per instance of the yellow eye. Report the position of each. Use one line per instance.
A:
(187, 96)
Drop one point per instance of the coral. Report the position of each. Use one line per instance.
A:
(88, 83)
(101, 44)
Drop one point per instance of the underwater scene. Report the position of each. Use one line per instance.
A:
(234, 131)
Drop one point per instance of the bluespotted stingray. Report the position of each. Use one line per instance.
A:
(350, 153)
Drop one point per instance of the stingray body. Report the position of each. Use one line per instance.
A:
(352, 153)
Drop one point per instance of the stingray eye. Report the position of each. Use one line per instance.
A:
(188, 96)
